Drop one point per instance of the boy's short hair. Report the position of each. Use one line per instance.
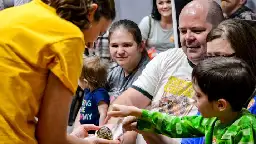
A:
(94, 71)
(227, 78)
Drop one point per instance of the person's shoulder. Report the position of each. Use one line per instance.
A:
(245, 123)
(169, 58)
(101, 92)
(145, 20)
(246, 120)
(171, 53)
(101, 89)
(114, 69)
(247, 14)
(145, 60)
(174, 50)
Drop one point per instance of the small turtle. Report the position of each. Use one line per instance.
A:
(105, 133)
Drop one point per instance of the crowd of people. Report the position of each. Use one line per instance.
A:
(202, 92)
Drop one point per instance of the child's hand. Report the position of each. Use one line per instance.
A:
(130, 123)
(124, 111)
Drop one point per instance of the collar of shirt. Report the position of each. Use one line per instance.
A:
(239, 12)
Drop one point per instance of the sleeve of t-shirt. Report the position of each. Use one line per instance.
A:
(101, 95)
(144, 27)
(173, 126)
(252, 105)
(150, 76)
(64, 60)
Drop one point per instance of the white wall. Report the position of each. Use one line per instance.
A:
(252, 4)
(133, 9)
(136, 9)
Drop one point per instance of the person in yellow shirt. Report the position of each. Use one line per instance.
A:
(41, 47)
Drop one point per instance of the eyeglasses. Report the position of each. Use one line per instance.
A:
(231, 55)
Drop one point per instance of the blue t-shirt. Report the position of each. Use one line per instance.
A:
(89, 113)
(200, 140)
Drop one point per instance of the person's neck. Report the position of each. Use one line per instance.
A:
(166, 22)
(228, 117)
(91, 88)
(130, 69)
(234, 10)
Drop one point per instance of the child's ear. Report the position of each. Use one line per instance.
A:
(222, 104)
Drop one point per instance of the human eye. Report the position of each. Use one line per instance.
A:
(114, 45)
(198, 31)
(197, 95)
(160, 3)
(169, 2)
(127, 45)
(183, 31)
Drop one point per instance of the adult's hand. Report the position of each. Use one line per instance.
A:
(82, 130)
(82, 133)
(95, 140)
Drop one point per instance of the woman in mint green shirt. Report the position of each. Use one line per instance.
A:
(222, 87)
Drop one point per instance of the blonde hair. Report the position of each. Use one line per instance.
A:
(94, 71)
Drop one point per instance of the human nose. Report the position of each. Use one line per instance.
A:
(165, 5)
(120, 50)
(189, 36)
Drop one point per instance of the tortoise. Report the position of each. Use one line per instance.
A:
(105, 133)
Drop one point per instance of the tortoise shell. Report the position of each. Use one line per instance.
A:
(105, 133)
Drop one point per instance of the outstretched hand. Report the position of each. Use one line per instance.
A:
(123, 111)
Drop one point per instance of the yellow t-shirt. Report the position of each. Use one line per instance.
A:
(33, 41)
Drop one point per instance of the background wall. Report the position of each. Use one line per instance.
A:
(252, 4)
(136, 9)
(133, 9)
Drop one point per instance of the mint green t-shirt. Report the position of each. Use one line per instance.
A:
(241, 131)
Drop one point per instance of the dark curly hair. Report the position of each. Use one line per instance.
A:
(76, 11)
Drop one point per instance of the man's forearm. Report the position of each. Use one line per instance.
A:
(132, 97)
(123, 101)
